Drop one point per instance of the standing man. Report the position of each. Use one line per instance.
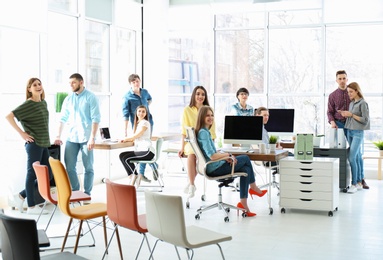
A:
(338, 100)
(81, 112)
(135, 97)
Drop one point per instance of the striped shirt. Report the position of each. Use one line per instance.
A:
(34, 118)
(337, 100)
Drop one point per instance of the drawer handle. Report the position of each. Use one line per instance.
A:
(306, 162)
(303, 182)
(306, 199)
(323, 155)
(306, 176)
(304, 169)
(306, 191)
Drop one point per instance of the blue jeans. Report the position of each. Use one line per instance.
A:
(70, 158)
(243, 165)
(34, 153)
(143, 166)
(355, 140)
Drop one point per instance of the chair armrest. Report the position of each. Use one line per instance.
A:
(232, 173)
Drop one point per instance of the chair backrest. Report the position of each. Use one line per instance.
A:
(64, 190)
(158, 148)
(19, 240)
(192, 139)
(165, 218)
(43, 181)
(121, 205)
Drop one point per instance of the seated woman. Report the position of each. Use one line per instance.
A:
(142, 142)
(242, 162)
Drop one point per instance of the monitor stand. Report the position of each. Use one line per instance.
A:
(242, 148)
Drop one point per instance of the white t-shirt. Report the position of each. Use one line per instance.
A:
(143, 143)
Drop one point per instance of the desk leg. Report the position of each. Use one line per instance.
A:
(269, 189)
(379, 169)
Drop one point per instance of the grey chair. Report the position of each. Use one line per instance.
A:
(20, 241)
(166, 221)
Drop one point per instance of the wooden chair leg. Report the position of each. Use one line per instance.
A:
(66, 234)
(78, 237)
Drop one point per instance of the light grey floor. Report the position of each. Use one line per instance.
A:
(355, 230)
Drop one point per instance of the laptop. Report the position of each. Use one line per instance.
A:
(105, 135)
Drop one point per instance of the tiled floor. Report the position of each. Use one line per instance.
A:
(355, 230)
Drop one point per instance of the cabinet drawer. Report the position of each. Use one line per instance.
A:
(305, 178)
(308, 204)
(306, 195)
(306, 171)
(306, 164)
(307, 186)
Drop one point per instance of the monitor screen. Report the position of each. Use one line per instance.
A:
(245, 130)
(280, 121)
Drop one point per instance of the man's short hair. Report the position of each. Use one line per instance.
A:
(133, 77)
(339, 72)
(259, 110)
(76, 76)
(244, 90)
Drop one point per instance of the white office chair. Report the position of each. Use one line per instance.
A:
(166, 221)
(155, 159)
(224, 181)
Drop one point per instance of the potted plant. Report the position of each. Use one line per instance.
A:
(273, 139)
(379, 145)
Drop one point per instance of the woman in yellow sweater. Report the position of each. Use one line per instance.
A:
(189, 119)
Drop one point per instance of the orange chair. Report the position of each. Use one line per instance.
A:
(81, 213)
(122, 210)
(44, 186)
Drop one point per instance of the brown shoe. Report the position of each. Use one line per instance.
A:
(364, 184)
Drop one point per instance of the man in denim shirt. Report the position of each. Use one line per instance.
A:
(135, 97)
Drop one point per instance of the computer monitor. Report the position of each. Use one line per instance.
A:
(281, 121)
(243, 130)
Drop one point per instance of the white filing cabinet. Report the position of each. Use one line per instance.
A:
(309, 184)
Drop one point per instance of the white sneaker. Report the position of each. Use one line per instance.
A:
(359, 186)
(19, 203)
(192, 190)
(186, 189)
(352, 189)
(36, 211)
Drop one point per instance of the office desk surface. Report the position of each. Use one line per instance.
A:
(116, 145)
(267, 157)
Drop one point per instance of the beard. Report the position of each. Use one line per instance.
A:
(77, 89)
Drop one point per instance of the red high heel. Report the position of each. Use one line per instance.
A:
(248, 213)
(253, 192)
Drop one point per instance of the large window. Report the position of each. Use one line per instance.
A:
(288, 59)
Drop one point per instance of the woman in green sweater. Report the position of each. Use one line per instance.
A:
(34, 117)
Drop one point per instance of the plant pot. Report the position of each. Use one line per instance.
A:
(272, 147)
(381, 153)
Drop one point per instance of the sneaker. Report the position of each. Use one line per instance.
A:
(155, 174)
(364, 185)
(143, 178)
(352, 189)
(19, 202)
(359, 186)
(36, 211)
(86, 202)
(186, 189)
(192, 190)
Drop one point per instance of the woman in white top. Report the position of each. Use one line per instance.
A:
(143, 145)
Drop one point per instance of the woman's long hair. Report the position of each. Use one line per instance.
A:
(202, 113)
(136, 117)
(355, 86)
(192, 98)
(29, 85)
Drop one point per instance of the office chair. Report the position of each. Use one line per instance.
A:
(121, 203)
(151, 162)
(42, 175)
(224, 181)
(20, 241)
(166, 221)
(81, 213)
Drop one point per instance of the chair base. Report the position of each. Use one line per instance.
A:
(221, 206)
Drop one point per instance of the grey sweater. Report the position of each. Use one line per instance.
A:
(358, 108)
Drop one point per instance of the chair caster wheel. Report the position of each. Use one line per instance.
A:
(226, 219)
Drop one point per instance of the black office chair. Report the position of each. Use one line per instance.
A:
(19, 241)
